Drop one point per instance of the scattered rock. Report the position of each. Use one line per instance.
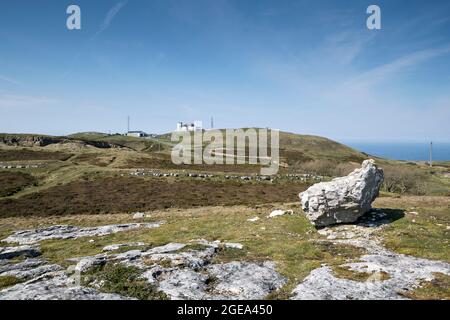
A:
(344, 199)
(114, 247)
(277, 213)
(232, 245)
(139, 215)
(253, 219)
(89, 262)
(71, 232)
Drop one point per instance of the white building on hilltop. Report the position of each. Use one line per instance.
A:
(193, 126)
(137, 134)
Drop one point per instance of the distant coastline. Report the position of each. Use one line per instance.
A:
(412, 151)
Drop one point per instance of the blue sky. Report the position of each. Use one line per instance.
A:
(309, 67)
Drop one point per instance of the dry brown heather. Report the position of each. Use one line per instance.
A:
(12, 182)
(86, 179)
(127, 194)
(22, 154)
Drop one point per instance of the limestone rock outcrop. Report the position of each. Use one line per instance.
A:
(344, 199)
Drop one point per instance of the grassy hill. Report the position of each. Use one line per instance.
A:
(93, 155)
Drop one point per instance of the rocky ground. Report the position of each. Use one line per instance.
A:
(189, 270)
(179, 271)
(387, 275)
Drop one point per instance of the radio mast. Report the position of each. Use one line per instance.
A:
(431, 154)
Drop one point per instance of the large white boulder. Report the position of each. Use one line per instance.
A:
(344, 199)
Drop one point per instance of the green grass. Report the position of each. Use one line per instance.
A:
(346, 273)
(436, 289)
(423, 235)
(123, 280)
(8, 281)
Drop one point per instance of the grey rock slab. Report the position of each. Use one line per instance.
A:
(128, 255)
(55, 287)
(181, 284)
(321, 284)
(245, 280)
(13, 252)
(173, 246)
(29, 269)
(24, 265)
(72, 232)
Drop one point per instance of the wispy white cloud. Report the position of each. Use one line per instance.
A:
(17, 101)
(10, 80)
(343, 47)
(384, 71)
(112, 13)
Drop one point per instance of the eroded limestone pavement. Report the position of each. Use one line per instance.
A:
(389, 274)
(189, 271)
(181, 271)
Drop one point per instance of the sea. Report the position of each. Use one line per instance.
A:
(411, 151)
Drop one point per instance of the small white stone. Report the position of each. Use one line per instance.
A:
(138, 215)
(232, 245)
(277, 213)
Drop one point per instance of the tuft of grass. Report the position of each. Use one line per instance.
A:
(124, 280)
(8, 281)
(193, 246)
(346, 273)
(436, 289)
(225, 255)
